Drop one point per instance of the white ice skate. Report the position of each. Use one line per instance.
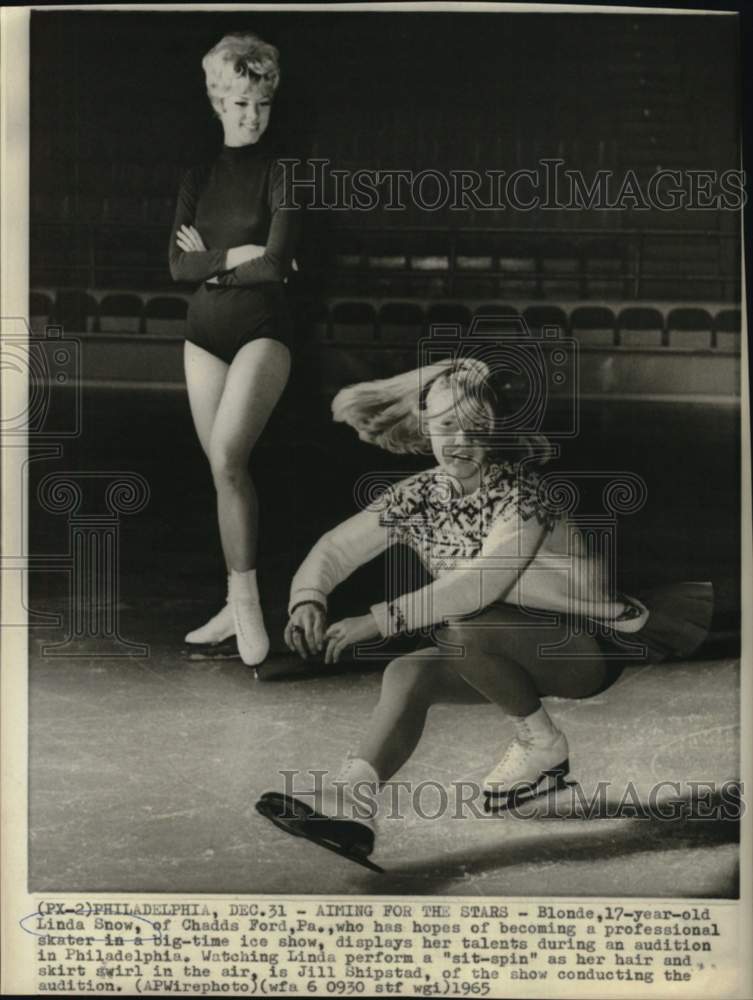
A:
(253, 641)
(527, 769)
(219, 628)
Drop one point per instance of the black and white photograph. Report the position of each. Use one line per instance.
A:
(380, 491)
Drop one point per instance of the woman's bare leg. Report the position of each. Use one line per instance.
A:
(410, 686)
(501, 664)
(254, 384)
(504, 659)
(205, 381)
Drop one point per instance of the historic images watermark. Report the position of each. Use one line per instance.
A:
(548, 186)
(431, 799)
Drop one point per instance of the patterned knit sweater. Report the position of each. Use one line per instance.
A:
(503, 542)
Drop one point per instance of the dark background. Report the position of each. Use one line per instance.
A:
(394, 90)
(119, 108)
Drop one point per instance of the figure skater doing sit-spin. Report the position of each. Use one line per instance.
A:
(499, 552)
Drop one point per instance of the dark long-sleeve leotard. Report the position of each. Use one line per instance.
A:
(242, 197)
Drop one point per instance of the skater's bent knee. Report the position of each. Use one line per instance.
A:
(409, 677)
(467, 636)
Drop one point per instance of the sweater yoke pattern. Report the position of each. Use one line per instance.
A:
(427, 513)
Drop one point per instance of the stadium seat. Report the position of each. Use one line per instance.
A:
(121, 314)
(353, 322)
(401, 323)
(40, 311)
(447, 314)
(690, 328)
(509, 317)
(593, 326)
(493, 319)
(166, 315)
(541, 318)
(727, 326)
(76, 311)
(640, 326)
(496, 309)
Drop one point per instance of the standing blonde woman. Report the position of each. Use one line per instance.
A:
(235, 234)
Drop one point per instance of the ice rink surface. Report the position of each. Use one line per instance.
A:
(144, 777)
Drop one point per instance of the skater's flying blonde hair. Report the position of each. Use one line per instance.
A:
(390, 412)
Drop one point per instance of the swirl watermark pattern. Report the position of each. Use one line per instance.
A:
(92, 563)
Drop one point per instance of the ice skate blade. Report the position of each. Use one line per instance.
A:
(298, 819)
(549, 782)
(225, 650)
(500, 805)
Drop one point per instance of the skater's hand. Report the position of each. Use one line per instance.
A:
(348, 632)
(304, 633)
(189, 240)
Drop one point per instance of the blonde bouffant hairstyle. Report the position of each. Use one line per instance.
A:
(389, 412)
(239, 62)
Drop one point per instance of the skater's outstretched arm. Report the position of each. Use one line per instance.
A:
(337, 554)
(509, 549)
(334, 557)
